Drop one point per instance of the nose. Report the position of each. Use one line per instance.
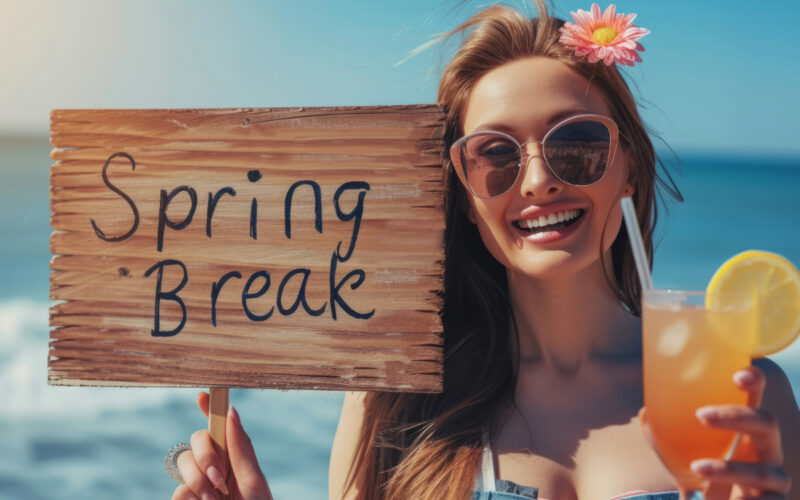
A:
(538, 181)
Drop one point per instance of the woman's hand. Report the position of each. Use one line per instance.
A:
(204, 473)
(755, 470)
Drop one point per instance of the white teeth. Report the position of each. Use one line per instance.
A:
(549, 219)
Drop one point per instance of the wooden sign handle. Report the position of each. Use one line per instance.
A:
(217, 415)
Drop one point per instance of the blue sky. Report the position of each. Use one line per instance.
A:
(717, 76)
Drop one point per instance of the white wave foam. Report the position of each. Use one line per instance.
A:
(24, 340)
(24, 345)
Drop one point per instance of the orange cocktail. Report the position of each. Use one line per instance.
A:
(690, 355)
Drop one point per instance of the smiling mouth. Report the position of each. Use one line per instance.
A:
(551, 222)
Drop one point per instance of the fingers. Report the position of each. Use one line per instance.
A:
(761, 426)
(183, 492)
(194, 478)
(761, 476)
(207, 459)
(770, 479)
(753, 382)
(762, 440)
(244, 463)
(202, 468)
(739, 418)
(202, 402)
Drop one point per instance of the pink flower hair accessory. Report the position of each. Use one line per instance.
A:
(605, 36)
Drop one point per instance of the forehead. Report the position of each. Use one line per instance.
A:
(530, 94)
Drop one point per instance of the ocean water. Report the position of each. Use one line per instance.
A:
(59, 442)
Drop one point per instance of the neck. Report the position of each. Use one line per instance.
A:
(566, 322)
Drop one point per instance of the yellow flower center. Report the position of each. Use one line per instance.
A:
(604, 35)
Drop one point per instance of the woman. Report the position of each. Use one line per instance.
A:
(542, 336)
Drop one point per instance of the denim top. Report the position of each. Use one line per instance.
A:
(487, 487)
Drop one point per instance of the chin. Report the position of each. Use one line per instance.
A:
(549, 265)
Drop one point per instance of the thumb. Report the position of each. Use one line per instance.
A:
(250, 479)
(202, 403)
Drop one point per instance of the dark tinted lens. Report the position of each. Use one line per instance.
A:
(491, 163)
(578, 152)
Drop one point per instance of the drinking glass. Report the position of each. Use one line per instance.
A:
(690, 354)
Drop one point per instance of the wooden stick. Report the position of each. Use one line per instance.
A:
(217, 415)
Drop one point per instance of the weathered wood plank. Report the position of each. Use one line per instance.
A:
(349, 301)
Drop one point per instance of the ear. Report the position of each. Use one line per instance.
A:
(628, 190)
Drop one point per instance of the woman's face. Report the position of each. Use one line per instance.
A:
(524, 99)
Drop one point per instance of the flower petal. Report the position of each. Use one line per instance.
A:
(596, 14)
(628, 20)
(583, 18)
(626, 55)
(609, 15)
(567, 28)
(635, 32)
(626, 44)
(611, 56)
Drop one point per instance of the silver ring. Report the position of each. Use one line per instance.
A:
(171, 461)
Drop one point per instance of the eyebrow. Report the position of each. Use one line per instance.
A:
(555, 118)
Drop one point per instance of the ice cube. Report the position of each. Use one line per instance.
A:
(673, 339)
(694, 368)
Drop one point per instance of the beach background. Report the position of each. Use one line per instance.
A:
(722, 95)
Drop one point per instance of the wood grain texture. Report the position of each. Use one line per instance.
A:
(225, 175)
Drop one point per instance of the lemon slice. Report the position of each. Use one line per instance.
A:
(767, 284)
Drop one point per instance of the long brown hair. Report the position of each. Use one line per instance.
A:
(427, 446)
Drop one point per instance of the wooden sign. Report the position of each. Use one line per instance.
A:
(275, 248)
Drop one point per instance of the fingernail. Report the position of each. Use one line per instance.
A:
(743, 377)
(702, 466)
(234, 415)
(216, 477)
(707, 413)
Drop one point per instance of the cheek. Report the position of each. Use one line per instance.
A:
(489, 217)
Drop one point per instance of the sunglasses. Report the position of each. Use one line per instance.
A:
(577, 150)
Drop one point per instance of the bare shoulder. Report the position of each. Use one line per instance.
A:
(344, 446)
(780, 401)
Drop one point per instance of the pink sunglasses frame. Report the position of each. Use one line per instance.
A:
(613, 131)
